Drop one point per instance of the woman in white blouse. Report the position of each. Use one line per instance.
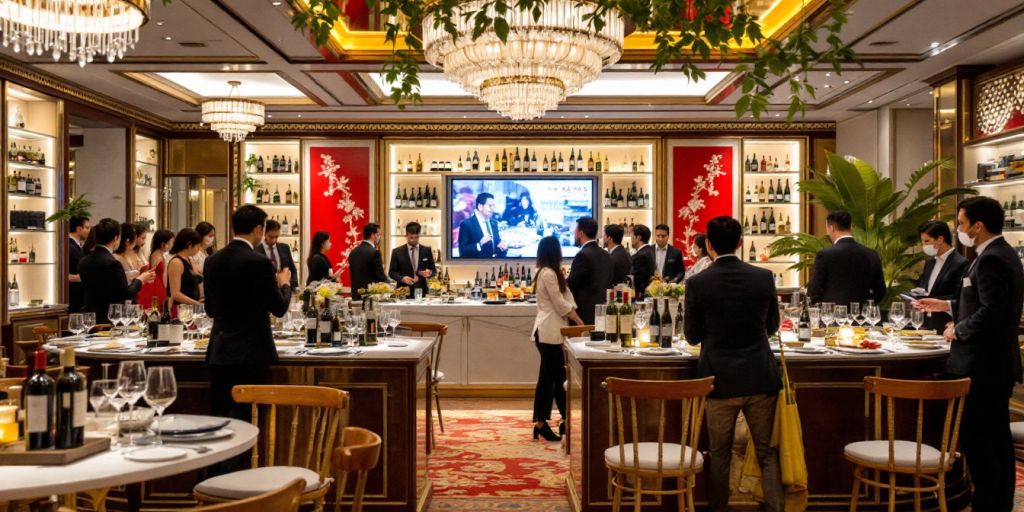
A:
(701, 250)
(555, 308)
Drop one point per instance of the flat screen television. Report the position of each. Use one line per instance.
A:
(525, 209)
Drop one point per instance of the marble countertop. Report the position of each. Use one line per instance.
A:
(583, 350)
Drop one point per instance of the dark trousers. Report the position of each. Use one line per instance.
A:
(759, 412)
(550, 381)
(225, 377)
(988, 447)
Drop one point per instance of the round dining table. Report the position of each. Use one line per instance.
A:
(111, 468)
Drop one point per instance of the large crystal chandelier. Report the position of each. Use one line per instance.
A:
(543, 60)
(80, 28)
(232, 116)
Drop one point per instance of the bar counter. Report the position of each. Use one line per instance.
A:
(829, 392)
(388, 393)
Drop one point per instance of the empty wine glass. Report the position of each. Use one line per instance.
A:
(394, 320)
(814, 317)
(873, 314)
(185, 315)
(204, 324)
(841, 316)
(114, 312)
(827, 314)
(855, 316)
(897, 312)
(128, 319)
(793, 315)
(916, 318)
(75, 324)
(98, 393)
(352, 323)
(161, 391)
(88, 321)
(382, 320)
(131, 384)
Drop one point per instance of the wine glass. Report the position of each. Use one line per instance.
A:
(382, 320)
(873, 314)
(204, 324)
(640, 321)
(897, 312)
(131, 384)
(394, 320)
(98, 392)
(185, 315)
(793, 315)
(161, 390)
(75, 324)
(88, 321)
(128, 318)
(841, 316)
(198, 310)
(916, 318)
(827, 314)
(855, 317)
(352, 324)
(114, 312)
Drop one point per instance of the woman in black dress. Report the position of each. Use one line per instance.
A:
(182, 281)
(319, 265)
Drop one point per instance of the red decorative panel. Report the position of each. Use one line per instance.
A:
(702, 187)
(340, 197)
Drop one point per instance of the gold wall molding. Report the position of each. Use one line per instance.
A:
(556, 128)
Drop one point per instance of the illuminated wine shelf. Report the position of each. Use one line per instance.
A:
(267, 179)
(147, 180)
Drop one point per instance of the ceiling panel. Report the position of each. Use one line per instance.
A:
(273, 24)
(927, 22)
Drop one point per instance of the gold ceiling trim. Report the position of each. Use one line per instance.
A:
(561, 127)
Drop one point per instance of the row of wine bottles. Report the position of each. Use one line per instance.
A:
(767, 225)
(766, 164)
(633, 198)
(427, 228)
(54, 409)
(273, 165)
(26, 154)
(772, 195)
(18, 183)
(508, 161)
(617, 326)
(327, 324)
(419, 199)
(263, 196)
(500, 278)
(16, 256)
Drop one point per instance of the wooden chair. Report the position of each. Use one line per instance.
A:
(318, 410)
(575, 331)
(101, 328)
(632, 461)
(893, 456)
(43, 333)
(285, 499)
(437, 376)
(358, 453)
(27, 347)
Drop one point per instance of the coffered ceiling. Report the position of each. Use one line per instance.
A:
(191, 48)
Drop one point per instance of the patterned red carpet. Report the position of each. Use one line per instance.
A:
(487, 461)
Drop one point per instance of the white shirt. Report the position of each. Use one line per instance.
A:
(940, 260)
(702, 264)
(588, 242)
(243, 240)
(842, 237)
(659, 258)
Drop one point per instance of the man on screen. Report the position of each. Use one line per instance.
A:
(478, 235)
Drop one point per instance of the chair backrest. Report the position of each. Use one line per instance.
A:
(575, 331)
(43, 333)
(359, 453)
(318, 409)
(438, 330)
(691, 396)
(28, 348)
(285, 499)
(101, 327)
(887, 391)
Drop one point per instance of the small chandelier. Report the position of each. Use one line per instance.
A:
(543, 59)
(233, 117)
(80, 28)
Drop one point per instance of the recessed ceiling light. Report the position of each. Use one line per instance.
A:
(827, 86)
(160, 23)
(167, 38)
(777, 115)
(871, 101)
(828, 74)
(275, 4)
(300, 115)
(269, 116)
(846, 81)
(908, 104)
(935, 44)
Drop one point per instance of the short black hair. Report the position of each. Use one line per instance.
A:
(642, 232)
(839, 219)
(370, 230)
(936, 229)
(412, 228)
(701, 241)
(76, 222)
(185, 238)
(616, 232)
(246, 219)
(272, 225)
(724, 234)
(106, 231)
(985, 210)
(588, 226)
(482, 198)
(662, 227)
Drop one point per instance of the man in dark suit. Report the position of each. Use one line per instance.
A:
(847, 272)
(103, 276)
(365, 263)
(730, 309)
(412, 264)
(279, 254)
(619, 255)
(591, 272)
(942, 272)
(478, 235)
(984, 347)
(78, 230)
(668, 259)
(242, 291)
(643, 261)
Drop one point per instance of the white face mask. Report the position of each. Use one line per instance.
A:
(964, 238)
(930, 250)
(208, 242)
(327, 246)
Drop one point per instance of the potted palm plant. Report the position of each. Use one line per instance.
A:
(76, 207)
(885, 216)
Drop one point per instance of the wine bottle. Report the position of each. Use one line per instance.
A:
(311, 321)
(324, 328)
(38, 393)
(371, 323)
(753, 252)
(786, 195)
(504, 161)
(771, 223)
(475, 165)
(679, 320)
(275, 165)
(771, 192)
(71, 403)
(153, 323)
(607, 164)
(419, 162)
(763, 226)
(433, 199)
(611, 311)
(259, 164)
(626, 321)
(163, 331)
(655, 324)
(14, 293)
(666, 325)
(804, 333)
(590, 162)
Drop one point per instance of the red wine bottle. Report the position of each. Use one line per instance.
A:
(39, 406)
(71, 400)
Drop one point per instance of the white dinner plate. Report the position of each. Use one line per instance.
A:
(600, 344)
(393, 344)
(156, 454)
(175, 424)
(658, 352)
(808, 350)
(327, 351)
(199, 436)
(852, 350)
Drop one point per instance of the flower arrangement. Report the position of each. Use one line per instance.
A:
(383, 291)
(321, 290)
(660, 289)
(434, 285)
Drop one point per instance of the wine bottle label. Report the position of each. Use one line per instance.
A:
(163, 332)
(325, 327)
(80, 402)
(310, 324)
(35, 415)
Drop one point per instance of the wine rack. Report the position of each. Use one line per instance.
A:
(417, 168)
(271, 178)
(147, 180)
(33, 187)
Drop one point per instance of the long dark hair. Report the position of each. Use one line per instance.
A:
(184, 239)
(549, 255)
(140, 229)
(701, 241)
(205, 228)
(319, 239)
(90, 242)
(161, 237)
(127, 237)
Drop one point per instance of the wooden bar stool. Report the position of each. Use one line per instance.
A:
(893, 456)
(437, 376)
(631, 458)
(285, 499)
(358, 453)
(308, 456)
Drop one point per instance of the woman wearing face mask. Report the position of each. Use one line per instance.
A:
(319, 265)
(209, 237)
(942, 272)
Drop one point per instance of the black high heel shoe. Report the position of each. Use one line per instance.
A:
(561, 429)
(545, 432)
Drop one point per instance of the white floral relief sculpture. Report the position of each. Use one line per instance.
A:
(338, 183)
(702, 184)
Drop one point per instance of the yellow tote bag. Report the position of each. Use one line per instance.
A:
(787, 437)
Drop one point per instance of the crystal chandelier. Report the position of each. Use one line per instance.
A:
(543, 60)
(233, 117)
(80, 28)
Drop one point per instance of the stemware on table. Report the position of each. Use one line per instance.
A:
(394, 320)
(161, 391)
(855, 313)
(841, 315)
(114, 312)
(88, 321)
(76, 324)
(131, 384)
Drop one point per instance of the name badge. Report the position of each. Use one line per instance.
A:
(967, 282)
